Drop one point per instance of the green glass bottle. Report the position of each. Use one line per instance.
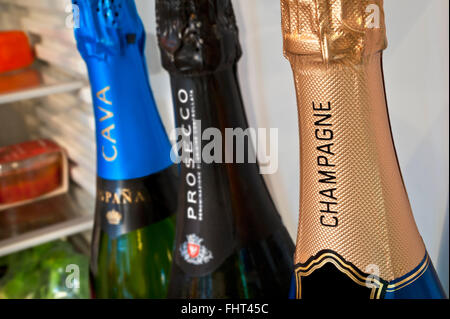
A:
(134, 225)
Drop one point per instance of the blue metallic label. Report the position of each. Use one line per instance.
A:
(329, 275)
(420, 283)
(131, 139)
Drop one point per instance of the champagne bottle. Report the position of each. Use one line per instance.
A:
(356, 237)
(230, 240)
(134, 227)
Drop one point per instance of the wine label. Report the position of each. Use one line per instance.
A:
(205, 231)
(128, 205)
(329, 275)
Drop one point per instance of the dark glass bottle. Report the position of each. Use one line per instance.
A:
(230, 240)
(134, 224)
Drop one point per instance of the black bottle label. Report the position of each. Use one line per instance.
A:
(128, 205)
(205, 231)
(340, 277)
(329, 275)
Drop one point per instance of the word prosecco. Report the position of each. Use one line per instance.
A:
(237, 143)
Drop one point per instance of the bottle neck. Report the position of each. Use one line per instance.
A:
(218, 198)
(131, 139)
(352, 192)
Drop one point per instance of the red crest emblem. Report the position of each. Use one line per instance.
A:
(193, 250)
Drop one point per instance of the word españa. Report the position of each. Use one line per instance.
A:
(122, 196)
(326, 169)
(108, 116)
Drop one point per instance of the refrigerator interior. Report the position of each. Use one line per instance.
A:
(416, 73)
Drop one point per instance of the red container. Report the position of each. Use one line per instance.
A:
(30, 171)
(15, 51)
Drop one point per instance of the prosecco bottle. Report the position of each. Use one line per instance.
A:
(230, 240)
(134, 220)
(357, 237)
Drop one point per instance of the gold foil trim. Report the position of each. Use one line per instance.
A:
(372, 283)
(373, 217)
(333, 29)
(411, 278)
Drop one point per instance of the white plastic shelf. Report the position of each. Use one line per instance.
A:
(36, 81)
(46, 234)
(61, 216)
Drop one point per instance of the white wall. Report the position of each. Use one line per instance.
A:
(416, 73)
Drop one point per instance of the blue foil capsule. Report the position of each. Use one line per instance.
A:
(131, 139)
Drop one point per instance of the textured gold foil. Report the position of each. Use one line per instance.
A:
(335, 48)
